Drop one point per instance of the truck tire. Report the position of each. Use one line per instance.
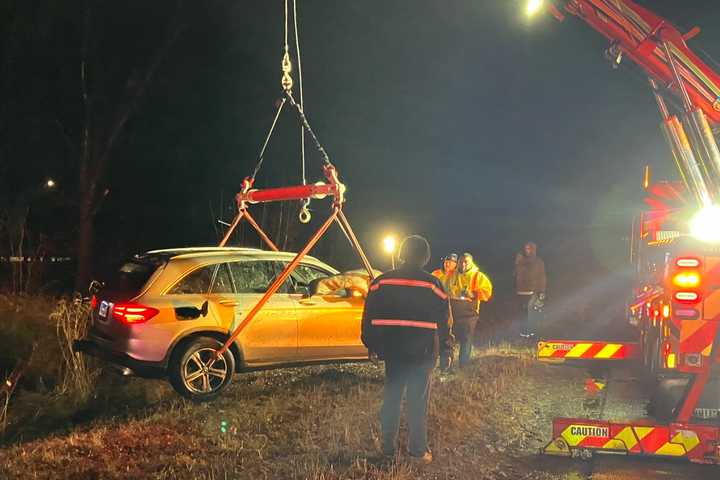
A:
(666, 398)
(190, 375)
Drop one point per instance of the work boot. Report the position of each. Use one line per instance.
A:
(424, 460)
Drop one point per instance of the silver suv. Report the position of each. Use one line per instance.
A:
(166, 312)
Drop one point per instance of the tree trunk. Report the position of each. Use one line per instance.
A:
(96, 149)
(86, 237)
(86, 228)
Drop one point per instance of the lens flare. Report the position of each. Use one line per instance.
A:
(705, 225)
(533, 7)
(389, 244)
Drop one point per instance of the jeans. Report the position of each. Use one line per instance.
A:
(465, 322)
(524, 306)
(466, 348)
(415, 377)
(532, 308)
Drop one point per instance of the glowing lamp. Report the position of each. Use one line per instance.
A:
(686, 297)
(389, 244)
(687, 262)
(705, 225)
(533, 7)
(686, 280)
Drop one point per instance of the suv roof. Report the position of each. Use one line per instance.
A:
(186, 250)
(209, 252)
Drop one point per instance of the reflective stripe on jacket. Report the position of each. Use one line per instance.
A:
(406, 316)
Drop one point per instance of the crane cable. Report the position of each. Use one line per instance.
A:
(287, 84)
(304, 215)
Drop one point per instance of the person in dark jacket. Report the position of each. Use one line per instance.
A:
(530, 283)
(405, 322)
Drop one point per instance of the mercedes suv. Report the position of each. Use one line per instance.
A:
(166, 312)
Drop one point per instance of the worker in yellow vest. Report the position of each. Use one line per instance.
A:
(467, 289)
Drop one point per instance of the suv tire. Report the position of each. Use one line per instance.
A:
(191, 378)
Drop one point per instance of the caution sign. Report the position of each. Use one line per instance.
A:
(561, 350)
(660, 440)
(589, 431)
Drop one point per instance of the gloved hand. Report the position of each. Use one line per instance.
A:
(374, 358)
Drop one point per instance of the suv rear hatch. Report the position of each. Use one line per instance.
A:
(127, 283)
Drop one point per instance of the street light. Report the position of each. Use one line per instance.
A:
(389, 245)
(533, 7)
(50, 183)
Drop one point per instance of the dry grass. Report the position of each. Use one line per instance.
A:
(8, 387)
(312, 423)
(316, 423)
(72, 321)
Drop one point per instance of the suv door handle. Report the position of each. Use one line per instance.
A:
(229, 303)
(307, 302)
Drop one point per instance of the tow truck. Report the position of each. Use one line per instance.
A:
(675, 302)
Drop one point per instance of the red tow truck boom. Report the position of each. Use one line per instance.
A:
(676, 303)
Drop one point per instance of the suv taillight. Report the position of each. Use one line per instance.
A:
(132, 313)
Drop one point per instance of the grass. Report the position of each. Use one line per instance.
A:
(317, 423)
(311, 423)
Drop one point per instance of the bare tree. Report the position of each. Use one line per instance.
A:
(101, 131)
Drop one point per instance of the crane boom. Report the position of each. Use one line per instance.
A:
(660, 50)
(647, 38)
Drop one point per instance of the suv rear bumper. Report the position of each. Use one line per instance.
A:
(138, 367)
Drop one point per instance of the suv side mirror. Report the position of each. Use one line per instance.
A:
(313, 287)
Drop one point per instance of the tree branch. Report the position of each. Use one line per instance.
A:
(123, 114)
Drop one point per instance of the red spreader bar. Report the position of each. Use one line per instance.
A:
(301, 192)
(558, 351)
(580, 437)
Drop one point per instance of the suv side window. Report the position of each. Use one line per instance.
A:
(304, 274)
(200, 280)
(252, 276)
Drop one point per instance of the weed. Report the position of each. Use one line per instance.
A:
(72, 320)
(8, 388)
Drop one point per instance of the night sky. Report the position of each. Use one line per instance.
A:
(459, 120)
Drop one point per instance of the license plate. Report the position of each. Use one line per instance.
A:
(103, 309)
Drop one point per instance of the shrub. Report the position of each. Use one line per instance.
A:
(77, 375)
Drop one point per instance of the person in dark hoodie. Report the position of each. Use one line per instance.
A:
(405, 322)
(530, 283)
